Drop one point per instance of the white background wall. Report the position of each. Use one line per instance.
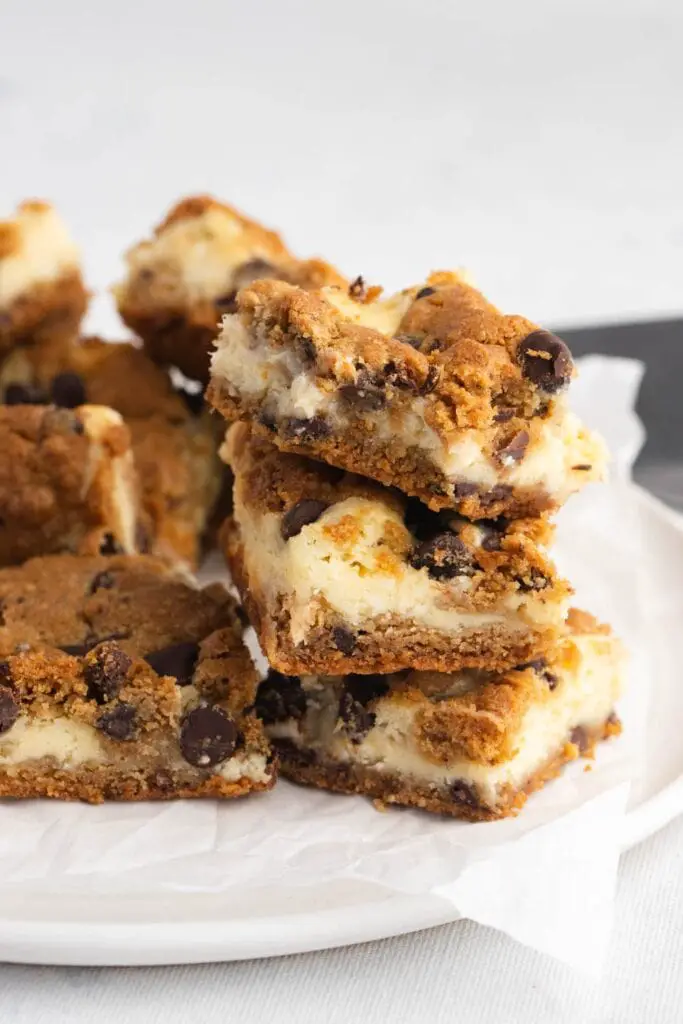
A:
(538, 142)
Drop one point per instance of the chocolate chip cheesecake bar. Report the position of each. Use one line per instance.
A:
(339, 574)
(181, 281)
(120, 681)
(174, 438)
(42, 296)
(472, 744)
(67, 483)
(433, 391)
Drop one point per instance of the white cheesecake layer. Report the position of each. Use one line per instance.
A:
(43, 251)
(585, 697)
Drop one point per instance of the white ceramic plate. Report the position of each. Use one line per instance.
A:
(71, 927)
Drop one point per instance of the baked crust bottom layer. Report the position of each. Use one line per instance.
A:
(300, 765)
(95, 784)
(177, 338)
(384, 645)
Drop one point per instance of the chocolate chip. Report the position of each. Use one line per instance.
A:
(363, 395)
(414, 340)
(208, 735)
(279, 698)
(464, 489)
(431, 380)
(76, 650)
(536, 580)
(253, 270)
(344, 640)
(358, 692)
(515, 449)
(293, 755)
(540, 667)
(177, 660)
(303, 513)
(194, 400)
(80, 650)
(444, 557)
(226, 303)
(579, 737)
(105, 671)
(492, 531)
(545, 361)
(503, 415)
(424, 292)
(585, 466)
(9, 709)
(501, 492)
(110, 545)
(68, 390)
(118, 723)
(463, 793)
(24, 394)
(357, 289)
(313, 429)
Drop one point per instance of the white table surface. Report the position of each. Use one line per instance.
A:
(538, 143)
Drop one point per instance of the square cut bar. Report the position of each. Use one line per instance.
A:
(182, 280)
(67, 483)
(472, 744)
(121, 681)
(433, 391)
(174, 438)
(42, 296)
(339, 574)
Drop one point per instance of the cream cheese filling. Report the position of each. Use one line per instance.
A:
(353, 582)
(123, 484)
(584, 698)
(45, 252)
(251, 369)
(197, 255)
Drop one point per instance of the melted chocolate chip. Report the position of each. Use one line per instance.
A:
(501, 492)
(24, 394)
(279, 698)
(344, 640)
(579, 737)
(514, 449)
(540, 667)
(464, 489)
(444, 557)
(313, 429)
(358, 692)
(536, 580)
(177, 660)
(424, 292)
(305, 512)
(106, 671)
(545, 361)
(463, 793)
(414, 340)
(492, 530)
(504, 415)
(102, 581)
(68, 390)
(431, 380)
(363, 395)
(293, 755)
(110, 545)
(208, 735)
(118, 723)
(226, 303)
(9, 709)
(357, 289)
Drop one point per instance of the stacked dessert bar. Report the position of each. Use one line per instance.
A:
(395, 466)
(396, 462)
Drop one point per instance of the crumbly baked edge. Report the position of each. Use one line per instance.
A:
(385, 646)
(50, 312)
(94, 784)
(386, 788)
